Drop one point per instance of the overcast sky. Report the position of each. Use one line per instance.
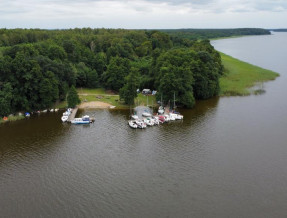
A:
(143, 14)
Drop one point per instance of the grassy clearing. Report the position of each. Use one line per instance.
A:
(240, 76)
(100, 94)
(107, 97)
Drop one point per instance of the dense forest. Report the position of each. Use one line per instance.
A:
(195, 34)
(38, 67)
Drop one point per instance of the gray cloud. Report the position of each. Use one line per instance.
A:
(141, 13)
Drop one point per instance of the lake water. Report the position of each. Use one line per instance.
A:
(227, 158)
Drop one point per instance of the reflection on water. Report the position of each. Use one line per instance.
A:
(227, 158)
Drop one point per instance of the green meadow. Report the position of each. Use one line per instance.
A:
(239, 77)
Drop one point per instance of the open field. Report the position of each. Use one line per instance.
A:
(106, 96)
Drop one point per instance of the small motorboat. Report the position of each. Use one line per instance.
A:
(44, 111)
(64, 118)
(132, 124)
(161, 118)
(27, 114)
(52, 110)
(56, 109)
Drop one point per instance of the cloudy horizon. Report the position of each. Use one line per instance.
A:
(143, 14)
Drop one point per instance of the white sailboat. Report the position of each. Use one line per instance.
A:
(175, 115)
(161, 108)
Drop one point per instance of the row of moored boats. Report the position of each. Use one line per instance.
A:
(150, 120)
(28, 114)
(66, 115)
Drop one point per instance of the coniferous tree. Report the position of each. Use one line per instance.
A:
(73, 98)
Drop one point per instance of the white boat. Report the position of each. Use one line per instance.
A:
(64, 118)
(146, 114)
(132, 124)
(135, 117)
(52, 110)
(140, 124)
(176, 115)
(56, 109)
(84, 120)
(160, 110)
(148, 122)
(166, 117)
(155, 120)
(44, 111)
(172, 116)
(66, 113)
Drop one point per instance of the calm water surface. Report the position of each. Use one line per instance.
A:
(227, 158)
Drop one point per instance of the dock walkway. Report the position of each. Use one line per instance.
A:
(73, 114)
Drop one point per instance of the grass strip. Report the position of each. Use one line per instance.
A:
(240, 76)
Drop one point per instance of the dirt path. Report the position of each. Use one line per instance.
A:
(94, 104)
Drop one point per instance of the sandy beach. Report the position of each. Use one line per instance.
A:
(94, 104)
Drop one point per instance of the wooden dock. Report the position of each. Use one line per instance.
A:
(73, 114)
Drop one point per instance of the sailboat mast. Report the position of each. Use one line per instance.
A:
(174, 100)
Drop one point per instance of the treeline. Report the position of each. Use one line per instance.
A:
(37, 67)
(195, 34)
(279, 30)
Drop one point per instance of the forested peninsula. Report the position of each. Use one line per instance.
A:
(38, 67)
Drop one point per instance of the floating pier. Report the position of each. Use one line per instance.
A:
(73, 114)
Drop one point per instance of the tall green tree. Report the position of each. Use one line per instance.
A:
(5, 99)
(92, 79)
(129, 91)
(118, 69)
(73, 97)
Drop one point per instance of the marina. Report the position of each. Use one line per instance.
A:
(144, 117)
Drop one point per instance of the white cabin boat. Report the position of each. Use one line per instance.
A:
(84, 120)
